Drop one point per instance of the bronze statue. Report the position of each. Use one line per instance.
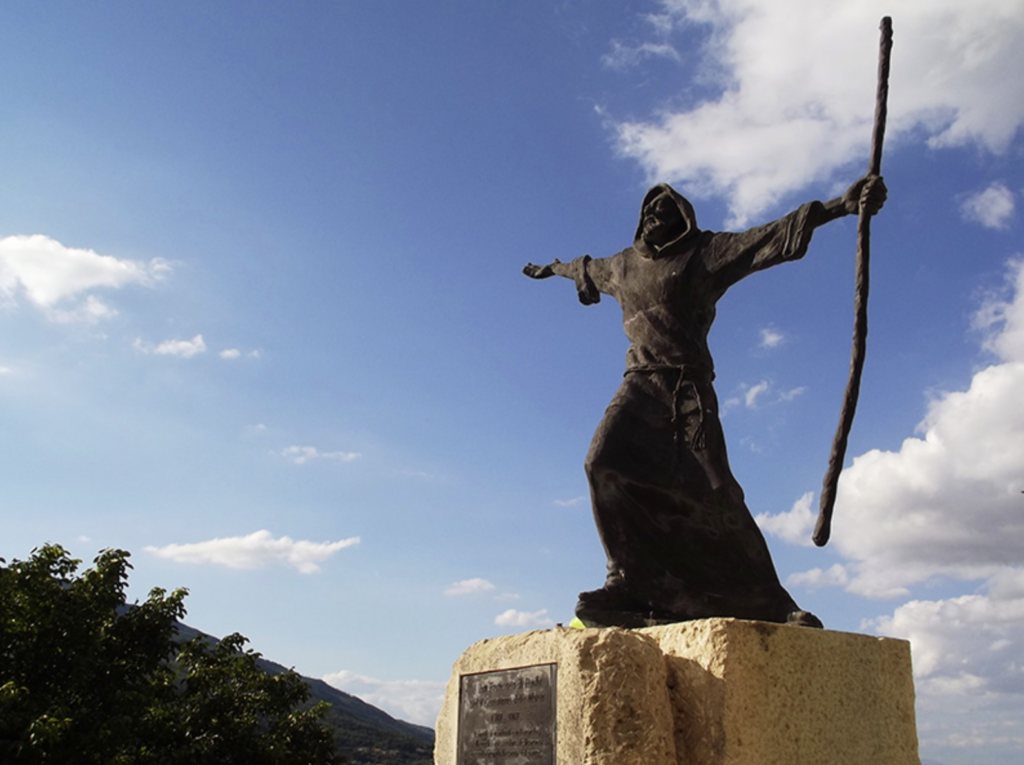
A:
(680, 541)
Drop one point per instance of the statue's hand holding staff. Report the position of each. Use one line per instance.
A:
(867, 194)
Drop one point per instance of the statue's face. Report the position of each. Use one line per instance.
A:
(662, 221)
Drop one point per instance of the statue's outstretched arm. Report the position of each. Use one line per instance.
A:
(576, 270)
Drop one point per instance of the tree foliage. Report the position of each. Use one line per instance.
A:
(86, 678)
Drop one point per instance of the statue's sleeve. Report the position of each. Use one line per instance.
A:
(592, 277)
(730, 257)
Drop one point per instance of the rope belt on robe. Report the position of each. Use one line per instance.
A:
(687, 375)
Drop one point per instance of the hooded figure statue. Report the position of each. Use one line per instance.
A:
(680, 541)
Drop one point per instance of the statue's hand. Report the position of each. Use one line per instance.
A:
(540, 272)
(867, 194)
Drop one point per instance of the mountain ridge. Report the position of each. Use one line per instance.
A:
(364, 734)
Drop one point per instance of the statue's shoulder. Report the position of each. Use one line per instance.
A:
(623, 259)
(616, 261)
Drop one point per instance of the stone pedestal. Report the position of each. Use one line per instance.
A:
(709, 692)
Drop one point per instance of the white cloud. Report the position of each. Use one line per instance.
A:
(571, 502)
(185, 349)
(1001, 316)
(771, 338)
(418, 701)
(751, 444)
(89, 311)
(796, 81)
(300, 455)
(791, 394)
(58, 279)
(752, 394)
(948, 502)
(992, 208)
(794, 526)
(968, 657)
(257, 550)
(816, 578)
(230, 354)
(513, 618)
(423, 475)
(624, 55)
(963, 644)
(468, 587)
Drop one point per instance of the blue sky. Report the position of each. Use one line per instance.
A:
(262, 321)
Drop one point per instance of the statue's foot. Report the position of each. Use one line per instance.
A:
(804, 619)
(596, 617)
(611, 606)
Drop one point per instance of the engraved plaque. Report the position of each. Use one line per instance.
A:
(507, 717)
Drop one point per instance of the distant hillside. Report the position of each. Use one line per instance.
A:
(365, 734)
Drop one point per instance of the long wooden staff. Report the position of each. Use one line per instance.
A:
(823, 528)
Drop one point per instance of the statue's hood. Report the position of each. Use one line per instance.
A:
(686, 210)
